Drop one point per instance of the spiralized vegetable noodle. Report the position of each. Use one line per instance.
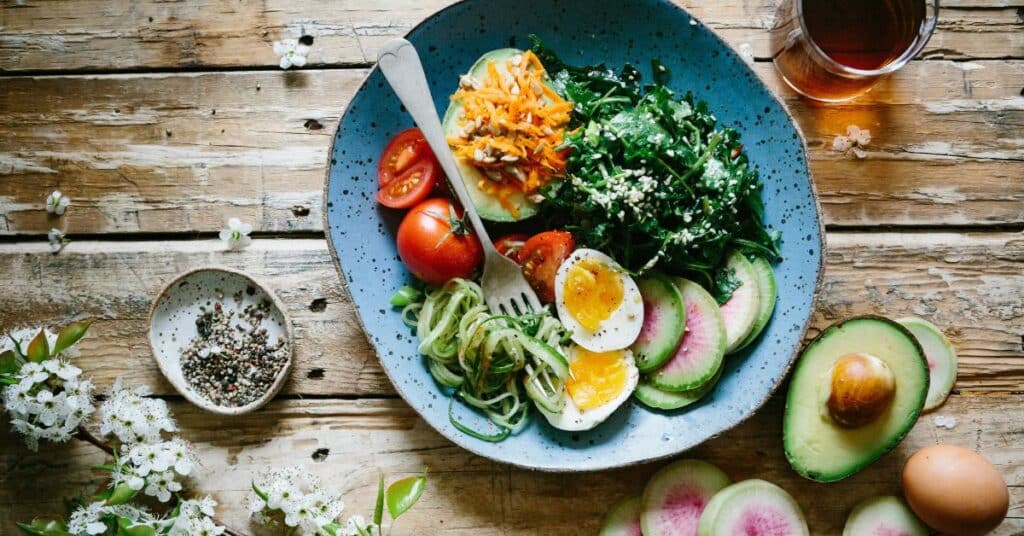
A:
(493, 362)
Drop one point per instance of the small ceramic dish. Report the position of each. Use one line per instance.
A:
(172, 326)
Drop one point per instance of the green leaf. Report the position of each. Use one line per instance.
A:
(126, 527)
(259, 493)
(332, 529)
(8, 380)
(44, 527)
(405, 296)
(403, 494)
(121, 494)
(9, 362)
(107, 467)
(71, 334)
(39, 348)
(378, 510)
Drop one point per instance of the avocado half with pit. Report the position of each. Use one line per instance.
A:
(857, 390)
(487, 206)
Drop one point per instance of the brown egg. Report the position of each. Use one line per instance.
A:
(955, 490)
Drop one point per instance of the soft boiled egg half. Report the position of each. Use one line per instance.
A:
(597, 301)
(598, 383)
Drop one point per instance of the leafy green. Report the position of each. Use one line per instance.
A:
(120, 494)
(651, 178)
(406, 295)
(378, 509)
(403, 494)
(44, 527)
(39, 348)
(9, 362)
(726, 283)
(71, 334)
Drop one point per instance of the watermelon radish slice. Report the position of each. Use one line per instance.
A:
(753, 508)
(768, 294)
(699, 354)
(623, 519)
(664, 321)
(676, 496)
(741, 311)
(656, 398)
(885, 515)
(941, 357)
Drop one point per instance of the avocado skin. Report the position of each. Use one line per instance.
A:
(869, 456)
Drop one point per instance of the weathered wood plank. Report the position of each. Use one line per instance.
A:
(102, 35)
(179, 152)
(969, 284)
(470, 495)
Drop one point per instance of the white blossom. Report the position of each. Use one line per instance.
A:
(134, 418)
(155, 468)
(944, 421)
(746, 52)
(57, 240)
(291, 52)
(87, 519)
(357, 525)
(296, 496)
(236, 236)
(853, 142)
(49, 401)
(57, 203)
(858, 135)
(195, 518)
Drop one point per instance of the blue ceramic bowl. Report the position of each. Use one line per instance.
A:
(362, 234)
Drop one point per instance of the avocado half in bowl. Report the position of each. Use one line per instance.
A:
(517, 206)
(362, 234)
(858, 388)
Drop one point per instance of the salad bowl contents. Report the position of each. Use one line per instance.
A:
(635, 213)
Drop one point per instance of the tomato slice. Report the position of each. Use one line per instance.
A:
(540, 258)
(404, 150)
(411, 187)
(509, 245)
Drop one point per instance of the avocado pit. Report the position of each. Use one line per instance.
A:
(861, 388)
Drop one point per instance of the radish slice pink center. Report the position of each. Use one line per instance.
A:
(763, 520)
(682, 508)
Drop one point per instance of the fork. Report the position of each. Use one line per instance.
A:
(506, 291)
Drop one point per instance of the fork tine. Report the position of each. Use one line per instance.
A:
(532, 301)
(519, 304)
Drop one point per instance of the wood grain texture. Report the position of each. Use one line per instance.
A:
(468, 495)
(180, 152)
(968, 284)
(102, 35)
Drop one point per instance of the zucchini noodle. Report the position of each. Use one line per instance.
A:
(495, 363)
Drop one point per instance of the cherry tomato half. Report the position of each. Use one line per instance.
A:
(405, 149)
(540, 258)
(510, 244)
(409, 188)
(436, 245)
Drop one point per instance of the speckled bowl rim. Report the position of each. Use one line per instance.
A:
(815, 296)
(196, 400)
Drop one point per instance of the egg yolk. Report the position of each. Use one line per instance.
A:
(592, 292)
(596, 378)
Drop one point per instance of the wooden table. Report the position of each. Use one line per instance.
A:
(161, 119)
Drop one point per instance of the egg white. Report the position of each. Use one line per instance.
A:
(572, 419)
(622, 327)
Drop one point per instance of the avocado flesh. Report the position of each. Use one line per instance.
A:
(487, 206)
(817, 447)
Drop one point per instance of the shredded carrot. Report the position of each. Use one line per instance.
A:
(511, 126)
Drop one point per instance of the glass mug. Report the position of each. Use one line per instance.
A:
(835, 50)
